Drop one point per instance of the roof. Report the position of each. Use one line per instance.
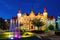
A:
(19, 10)
(14, 18)
(50, 17)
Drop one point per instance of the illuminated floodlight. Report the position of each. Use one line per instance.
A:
(11, 38)
(16, 35)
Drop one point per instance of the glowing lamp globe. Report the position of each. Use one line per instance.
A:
(19, 14)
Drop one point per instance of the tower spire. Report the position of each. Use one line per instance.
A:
(19, 10)
(32, 7)
(19, 13)
(44, 9)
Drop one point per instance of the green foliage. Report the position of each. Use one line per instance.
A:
(51, 27)
(37, 22)
(47, 29)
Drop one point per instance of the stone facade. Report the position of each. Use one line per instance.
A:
(25, 19)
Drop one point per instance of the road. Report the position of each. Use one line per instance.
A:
(47, 37)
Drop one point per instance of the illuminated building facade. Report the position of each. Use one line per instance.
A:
(4, 24)
(25, 19)
(58, 22)
(51, 21)
(7, 24)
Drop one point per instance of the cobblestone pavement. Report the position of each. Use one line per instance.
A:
(55, 37)
(48, 37)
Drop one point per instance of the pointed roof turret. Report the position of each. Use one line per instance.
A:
(44, 9)
(38, 13)
(25, 14)
(32, 11)
(19, 13)
(32, 14)
(19, 10)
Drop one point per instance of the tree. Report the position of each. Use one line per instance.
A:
(47, 29)
(37, 22)
(51, 27)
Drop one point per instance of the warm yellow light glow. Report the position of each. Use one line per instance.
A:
(43, 28)
(27, 34)
(8, 34)
(11, 36)
(25, 19)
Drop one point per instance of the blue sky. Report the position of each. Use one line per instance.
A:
(8, 8)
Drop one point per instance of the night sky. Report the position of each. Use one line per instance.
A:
(8, 8)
